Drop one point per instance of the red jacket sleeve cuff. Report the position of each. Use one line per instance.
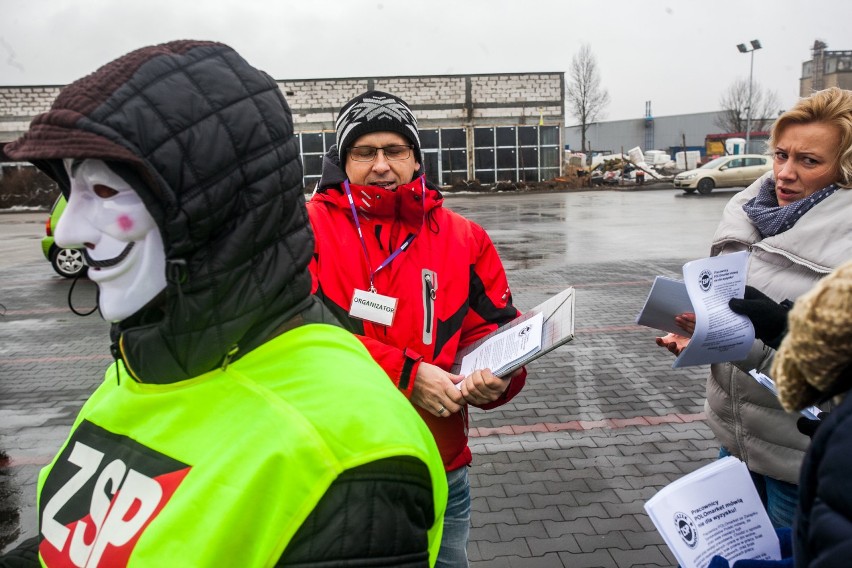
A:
(408, 373)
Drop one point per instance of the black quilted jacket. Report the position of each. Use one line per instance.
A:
(823, 526)
(222, 167)
(217, 165)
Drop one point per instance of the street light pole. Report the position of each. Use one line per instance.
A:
(755, 45)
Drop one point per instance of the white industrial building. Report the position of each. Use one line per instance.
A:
(489, 127)
(667, 133)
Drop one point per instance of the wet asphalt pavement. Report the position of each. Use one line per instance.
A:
(559, 475)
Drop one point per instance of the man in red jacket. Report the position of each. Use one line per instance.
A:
(414, 281)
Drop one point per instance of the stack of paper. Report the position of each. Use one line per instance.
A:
(522, 340)
(714, 510)
(503, 350)
(708, 284)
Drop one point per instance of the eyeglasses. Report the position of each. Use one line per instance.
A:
(368, 153)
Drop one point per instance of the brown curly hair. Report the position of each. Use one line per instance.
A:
(819, 344)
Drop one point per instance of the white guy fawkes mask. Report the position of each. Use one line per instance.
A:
(120, 240)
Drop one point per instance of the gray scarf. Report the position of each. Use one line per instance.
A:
(771, 218)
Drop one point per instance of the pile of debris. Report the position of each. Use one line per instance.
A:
(569, 182)
(25, 186)
(635, 167)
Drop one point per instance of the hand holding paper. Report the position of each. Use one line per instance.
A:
(768, 317)
(673, 342)
(709, 284)
(714, 511)
(482, 387)
(677, 342)
(435, 388)
(686, 322)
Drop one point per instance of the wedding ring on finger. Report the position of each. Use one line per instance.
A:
(441, 410)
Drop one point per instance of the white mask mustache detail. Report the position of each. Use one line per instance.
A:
(121, 242)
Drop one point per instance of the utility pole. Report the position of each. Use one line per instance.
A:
(755, 45)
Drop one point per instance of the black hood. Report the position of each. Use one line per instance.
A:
(209, 141)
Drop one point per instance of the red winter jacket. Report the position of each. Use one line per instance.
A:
(450, 255)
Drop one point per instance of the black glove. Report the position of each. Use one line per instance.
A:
(808, 427)
(768, 317)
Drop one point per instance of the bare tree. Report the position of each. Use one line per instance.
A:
(734, 103)
(585, 97)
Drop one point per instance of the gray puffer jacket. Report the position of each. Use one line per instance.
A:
(746, 418)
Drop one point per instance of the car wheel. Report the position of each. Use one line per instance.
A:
(689, 189)
(705, 186)
(67, 262)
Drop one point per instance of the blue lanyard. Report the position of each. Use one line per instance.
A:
(401, 248)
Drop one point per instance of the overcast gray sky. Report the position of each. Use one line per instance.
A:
(679, 54)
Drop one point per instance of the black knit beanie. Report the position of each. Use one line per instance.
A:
(375, 111)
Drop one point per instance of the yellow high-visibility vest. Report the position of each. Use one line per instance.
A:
(222, 469)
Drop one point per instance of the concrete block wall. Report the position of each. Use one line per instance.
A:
(437, 100)
(521, 114)
(519, 87)
(11, 129)
(25, 102)
(19, 105)
(440, 117)
(418, 91)
(322, 93)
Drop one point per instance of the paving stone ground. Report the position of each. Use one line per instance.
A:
(559, 476)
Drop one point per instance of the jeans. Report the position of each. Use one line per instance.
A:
(779, 497)
(453, 552)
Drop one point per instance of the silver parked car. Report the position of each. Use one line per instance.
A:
(727, 171)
